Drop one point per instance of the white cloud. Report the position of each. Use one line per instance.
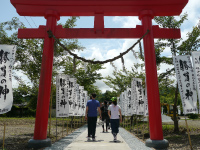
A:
(23, 77)
(127, 22)
(193, 11)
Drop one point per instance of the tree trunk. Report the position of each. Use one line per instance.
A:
(176, 127)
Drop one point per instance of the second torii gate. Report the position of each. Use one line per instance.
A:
(53, 9)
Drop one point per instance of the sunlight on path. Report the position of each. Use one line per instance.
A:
(103, 141)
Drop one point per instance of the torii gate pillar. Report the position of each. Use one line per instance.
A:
(41, 122)
(156, 135)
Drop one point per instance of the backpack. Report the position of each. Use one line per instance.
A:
(105, 112)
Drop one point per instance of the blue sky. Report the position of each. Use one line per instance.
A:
(105, 48)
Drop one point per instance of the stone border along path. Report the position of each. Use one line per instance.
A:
(104, 141)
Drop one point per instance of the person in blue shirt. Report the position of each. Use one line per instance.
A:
(91, 115)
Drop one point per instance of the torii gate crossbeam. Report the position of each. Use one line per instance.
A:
(145, 10)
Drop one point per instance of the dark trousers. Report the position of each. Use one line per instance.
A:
(106, 120)
(114, 125)
(92, 121)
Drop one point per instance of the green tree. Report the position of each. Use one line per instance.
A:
(28, 58)
(177, 46)
(120, 80)
(107, 95)
(86, 74)
(21, 94)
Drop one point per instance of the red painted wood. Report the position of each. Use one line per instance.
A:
(79, 33)
(155, 122)
(42, 112)
(145, 9)
(90, 7)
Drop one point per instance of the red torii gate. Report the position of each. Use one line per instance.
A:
(53, 9)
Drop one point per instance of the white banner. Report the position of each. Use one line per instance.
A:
(120, 103)
(185, 78)
(62, 104)
(75, 104)
(133, 96)
(72, 96)
(140, 97)
(80, 97)
(146, 110)
(123, 104)
(84, 101)
(196, 66)
(7, 58)
(129, 110)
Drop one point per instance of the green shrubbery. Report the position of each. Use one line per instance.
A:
(20, 112)
(193, 116)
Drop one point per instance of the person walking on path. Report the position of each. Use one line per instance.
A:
(109, 126)
(114, 117)
(91, 115)
(105, 117)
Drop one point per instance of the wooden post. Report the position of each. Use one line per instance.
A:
(188, 131)
(148, 124)
(137, 126)
(122, 121)
(133, 123)
(4, 133)
(62, 126)
(126, 123)
(67, 127)
(77, 123)
(56, 129)
(72, 117)
(143, 130)
(155, 121)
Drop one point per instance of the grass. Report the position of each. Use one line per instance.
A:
(167, 127)
(174, 137)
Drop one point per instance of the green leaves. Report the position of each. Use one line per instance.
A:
(28, 60)
(84, 78)
(121, 81)
(192, 43)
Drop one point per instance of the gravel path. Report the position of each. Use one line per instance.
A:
(64, 142)
(133, 142)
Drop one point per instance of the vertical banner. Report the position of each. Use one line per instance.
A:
(71, 95)
(129, 104)
(186, 83)
(80, 110)
(123, 104)
(146, 110)
(84, 101)
(120, 103)
(196, 67)
(133, 96)
(7, 58)
(62, 104)
(140, 97)
(77, 97)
